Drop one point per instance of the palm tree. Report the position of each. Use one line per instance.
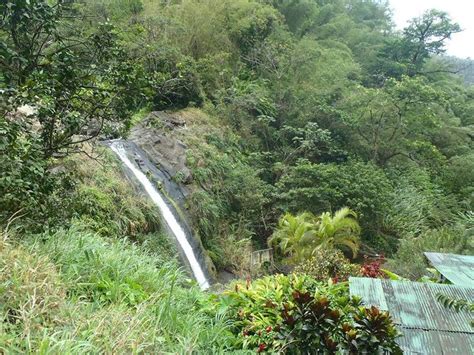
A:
(339, 230)
(297, 237)
(292, 232)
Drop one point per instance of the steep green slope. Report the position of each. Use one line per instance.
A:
(90, 287)
(308, 121)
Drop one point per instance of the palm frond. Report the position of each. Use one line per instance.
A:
(351, 243)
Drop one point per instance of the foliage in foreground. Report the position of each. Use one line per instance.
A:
(106, 281)
(297, 314)
(74, 291)
(459, 305)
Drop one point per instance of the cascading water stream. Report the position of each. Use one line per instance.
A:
(167, 214)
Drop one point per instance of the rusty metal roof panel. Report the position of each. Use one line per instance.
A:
(459, 269)
(428, 327)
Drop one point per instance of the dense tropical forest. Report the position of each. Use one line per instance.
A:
(312, 127)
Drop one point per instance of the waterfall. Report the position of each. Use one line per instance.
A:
(167, 214)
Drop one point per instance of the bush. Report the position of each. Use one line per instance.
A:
(177, 88)
(106, 200)
(418, 204)
(327, 264)
(372, 268)
(311, 323)
(26, 184)
(298, 237)
(296, 314)
(460, 178)
(409, 260)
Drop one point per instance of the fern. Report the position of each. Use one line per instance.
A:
(459, 305)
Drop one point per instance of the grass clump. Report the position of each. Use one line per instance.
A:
(106, 271)
(32, 295)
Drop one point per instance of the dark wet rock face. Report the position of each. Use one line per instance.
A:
(161, 154)
(173, 195)
(158, 135)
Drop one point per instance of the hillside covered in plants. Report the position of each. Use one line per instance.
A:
(312, 128)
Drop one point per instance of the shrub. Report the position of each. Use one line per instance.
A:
(296, 314)
(418, 203)
(298, 237)
(26, 183)
(372, 268)
(410, 262)
(328, 264)
(311, 323)
(178, 88)
(460, 178)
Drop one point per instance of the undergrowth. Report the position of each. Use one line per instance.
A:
(106, 281)
(106, 200)
(74, 291)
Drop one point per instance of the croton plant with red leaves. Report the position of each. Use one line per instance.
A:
(373, 267)
(296, 314)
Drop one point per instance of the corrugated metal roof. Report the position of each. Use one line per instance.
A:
(418, 341)
(427, 326)
(459, 269)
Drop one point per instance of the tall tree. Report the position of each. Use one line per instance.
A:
(406, 54)
(395, 121)
(427, 35)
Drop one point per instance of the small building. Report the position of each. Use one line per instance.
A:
(457, 269)
(261, 257)
(427, 327)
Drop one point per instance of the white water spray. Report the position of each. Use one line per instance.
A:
(168, 216)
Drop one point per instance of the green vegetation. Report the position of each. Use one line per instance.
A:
(328, 264)
(456, 304)
(298, 237)
(313, 126)
(108, 282)
(77, 292)
(297, 315)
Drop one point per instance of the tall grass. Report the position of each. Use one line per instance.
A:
(75, 291)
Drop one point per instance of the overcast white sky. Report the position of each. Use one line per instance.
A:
(461, 11)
